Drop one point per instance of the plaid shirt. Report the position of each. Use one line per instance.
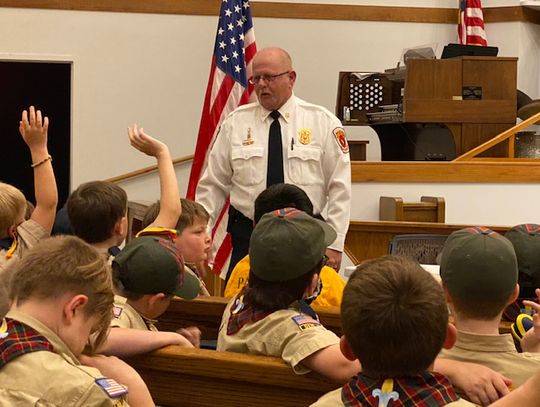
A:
(17, 338)
(428, 389)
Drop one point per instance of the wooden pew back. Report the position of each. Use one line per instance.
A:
(179, 376)
(206, 313)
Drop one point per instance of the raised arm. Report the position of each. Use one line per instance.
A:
(170, 208)
(33, 129)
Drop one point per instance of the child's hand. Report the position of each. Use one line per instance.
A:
(33, 128)
(145, 143)
(192, 334)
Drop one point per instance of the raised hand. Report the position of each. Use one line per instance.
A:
(33, 128)
(145, 143)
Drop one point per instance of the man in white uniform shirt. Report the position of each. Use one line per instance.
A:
(243, 161)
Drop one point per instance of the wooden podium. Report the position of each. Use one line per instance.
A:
(462, 102)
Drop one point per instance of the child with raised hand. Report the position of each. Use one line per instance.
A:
(149, 270)
(61, 293)
(170, 208)
(17, 235)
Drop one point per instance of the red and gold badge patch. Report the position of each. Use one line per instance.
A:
(339, 135)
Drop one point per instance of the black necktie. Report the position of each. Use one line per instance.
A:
(274, 173)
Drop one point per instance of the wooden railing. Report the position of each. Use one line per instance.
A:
(148, 170)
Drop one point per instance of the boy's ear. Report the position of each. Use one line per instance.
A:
(514, 296)
(451, 336)
(153, 299)
(74, 306)
(12, 231)
(345, 348)
(313, 284)
(120, 227)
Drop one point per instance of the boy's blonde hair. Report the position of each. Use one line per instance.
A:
(12, 204)
(191, 211)
(63, 264)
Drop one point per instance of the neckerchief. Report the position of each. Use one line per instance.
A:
(428, 389)
(17, 339)
(9, 244)
(242, 315)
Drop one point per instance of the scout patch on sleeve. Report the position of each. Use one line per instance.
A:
(305, 322)
(112, 388)
(339, 135)
(117, 311)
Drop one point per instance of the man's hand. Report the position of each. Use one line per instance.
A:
(334, 259)
(33, 129)
(145, 143)
(192, 334)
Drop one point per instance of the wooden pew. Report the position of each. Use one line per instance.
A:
(179, 376)
(371, 239)
(206, 313)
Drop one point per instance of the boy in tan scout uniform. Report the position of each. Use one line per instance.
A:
(147, 273)
(62, 292)
(275, 197)
(192, 239)
(16, 234)
(271, 316)
(395, 321)
(479, 273)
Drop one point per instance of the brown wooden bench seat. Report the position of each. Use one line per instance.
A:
(179, 376)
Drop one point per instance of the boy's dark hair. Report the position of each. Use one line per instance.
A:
(272, 296)
(280, 196)
(94, 209)
(191, 211)
(394, 316)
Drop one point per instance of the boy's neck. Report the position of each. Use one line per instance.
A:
(106, 244)
(44, 311)
(476, 326)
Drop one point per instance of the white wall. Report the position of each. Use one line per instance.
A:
(153, 69)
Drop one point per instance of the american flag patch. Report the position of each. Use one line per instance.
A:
(113, 389)
(117, 311)
(305, 322)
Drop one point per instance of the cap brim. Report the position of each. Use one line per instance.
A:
(330, 234)
(191, 287)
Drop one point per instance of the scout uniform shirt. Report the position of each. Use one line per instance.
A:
(28, 234)
(497, 352)
(330, 296)
(287, 334)
(428, 389)
(315, 158)
(38, 369)
(125, 316)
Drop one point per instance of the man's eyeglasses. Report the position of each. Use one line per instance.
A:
(267, 78)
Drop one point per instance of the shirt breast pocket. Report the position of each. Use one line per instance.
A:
(247, 163)
(305, 165)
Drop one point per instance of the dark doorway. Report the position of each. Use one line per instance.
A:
(47, 86)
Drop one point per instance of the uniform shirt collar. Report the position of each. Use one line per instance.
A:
(286, 111)
(58, 344)
(485, 343)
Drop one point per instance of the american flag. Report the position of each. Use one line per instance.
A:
(228, 88)
(471, 23)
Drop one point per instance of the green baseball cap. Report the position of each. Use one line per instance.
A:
(526, 241)
(478, 262)
(151, 265)
(288, 243)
